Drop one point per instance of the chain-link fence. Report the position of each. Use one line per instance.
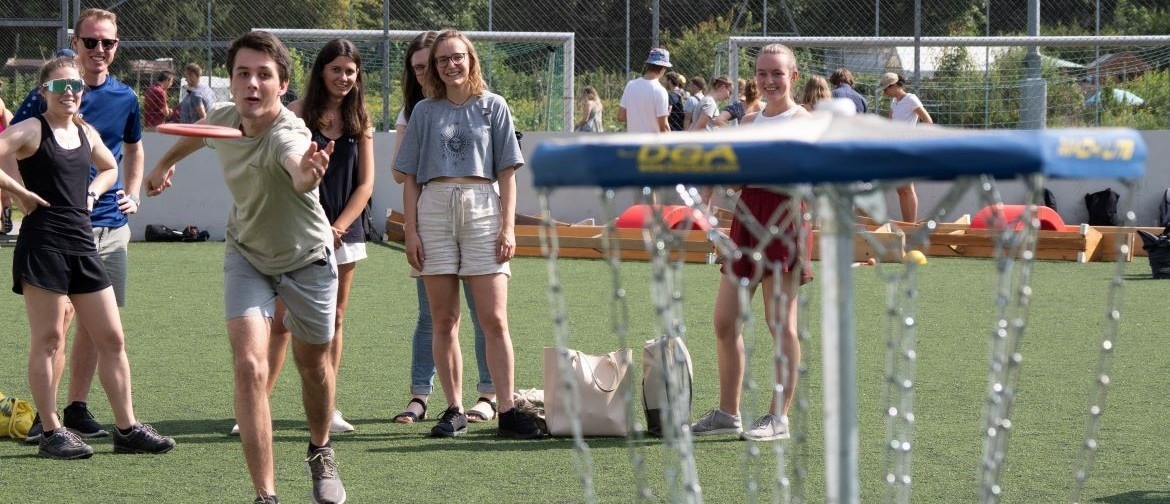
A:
(612, 37)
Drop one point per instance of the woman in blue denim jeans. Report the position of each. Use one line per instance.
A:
(422, 362)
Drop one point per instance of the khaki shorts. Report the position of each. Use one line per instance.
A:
(459, 225)
(112, 244)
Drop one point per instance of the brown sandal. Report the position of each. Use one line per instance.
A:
(409, 417)
(478, 415)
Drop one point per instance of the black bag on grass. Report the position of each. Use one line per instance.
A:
(1158, 248)
(161, 233)
(1102, 206)
(193, 234)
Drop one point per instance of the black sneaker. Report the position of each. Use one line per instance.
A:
(322, 466)
(36, 432)
(141, 439)
(452, 423)
(79, 420)
(6, 221)
(517, 425)
(64, 445)
(271, 499)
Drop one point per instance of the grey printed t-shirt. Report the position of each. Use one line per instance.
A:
(474, 139)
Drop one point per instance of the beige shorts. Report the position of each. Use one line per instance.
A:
(459, 225)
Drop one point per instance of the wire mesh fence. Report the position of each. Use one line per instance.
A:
(612, 37)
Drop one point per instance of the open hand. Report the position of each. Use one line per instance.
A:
(316, 161)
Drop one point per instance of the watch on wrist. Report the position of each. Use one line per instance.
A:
(93, 195)
(137, 201)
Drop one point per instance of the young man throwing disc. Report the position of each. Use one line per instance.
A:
(278, 243)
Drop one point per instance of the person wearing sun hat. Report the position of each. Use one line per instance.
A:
(645, 102)
(905, 108)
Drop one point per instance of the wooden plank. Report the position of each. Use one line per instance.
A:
(1134, 241)
(986, 252)
(626, 255)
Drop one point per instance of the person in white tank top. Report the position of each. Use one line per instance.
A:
(775, 75)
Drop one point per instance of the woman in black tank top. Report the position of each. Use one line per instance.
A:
(55, 259)
(334, 110)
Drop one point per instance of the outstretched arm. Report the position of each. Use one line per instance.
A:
(160, 177)
(308, 170)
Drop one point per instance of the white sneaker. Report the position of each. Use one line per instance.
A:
(768, 428)
(339, 424)
(235, 430)
(716, 422)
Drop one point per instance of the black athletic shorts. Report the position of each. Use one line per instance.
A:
(57, 271)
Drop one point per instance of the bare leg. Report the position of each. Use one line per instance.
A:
(782, 321)
(83, 361)
(344, 283)
(46, 350)
(729, 350)
(98, 312)
(278, 338)
(443, 295)
(317, 388)
(250, 345)
(491, 306)
(908, 201)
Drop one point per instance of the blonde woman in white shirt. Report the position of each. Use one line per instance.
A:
(906, 108)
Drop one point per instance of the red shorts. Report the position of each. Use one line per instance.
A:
(784, 251)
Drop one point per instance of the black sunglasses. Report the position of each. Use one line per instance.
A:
(91, 43)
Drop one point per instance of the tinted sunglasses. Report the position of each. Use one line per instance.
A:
(62, 85)
(91, 43)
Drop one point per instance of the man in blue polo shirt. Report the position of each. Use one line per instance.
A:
(842, 82)
(112, 108)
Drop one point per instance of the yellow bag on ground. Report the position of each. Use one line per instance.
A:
(16, 417)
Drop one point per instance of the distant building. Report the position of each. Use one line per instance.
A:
(1117, 67)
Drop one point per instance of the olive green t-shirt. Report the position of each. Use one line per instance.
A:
(274, 227)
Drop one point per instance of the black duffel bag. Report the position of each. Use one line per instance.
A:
(1158, 249)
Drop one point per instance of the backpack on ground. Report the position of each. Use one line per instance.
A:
(16, 417)
(1049, 199)
(1102, 206)
(1157, 247)
(161, 233)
